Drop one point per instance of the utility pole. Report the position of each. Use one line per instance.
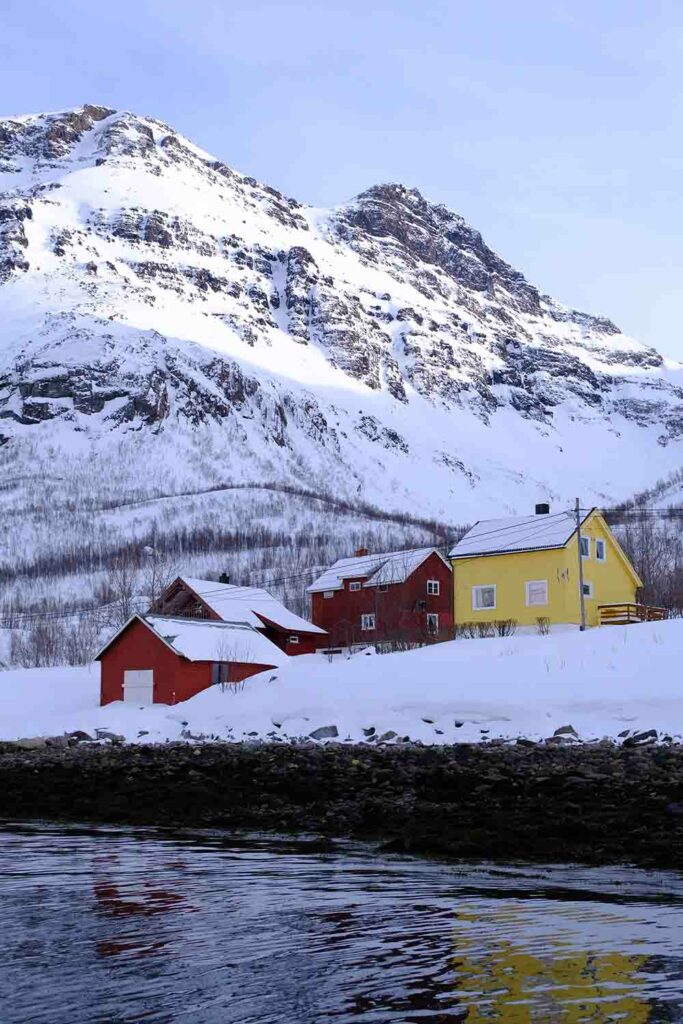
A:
(578, 544)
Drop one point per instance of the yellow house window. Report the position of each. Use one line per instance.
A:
(588, 590)
(484, 597)
(536, 593)
(585, 547)
(600, 551)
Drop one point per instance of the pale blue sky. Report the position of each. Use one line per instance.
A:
(555, 128)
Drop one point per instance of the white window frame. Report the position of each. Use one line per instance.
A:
(293, 639)
(434, 588)
(355, 586)
(433, 617)
(382, 587)
(327, 594)
(535, 604)
(367, 622)
(587, 593)
(586, 540)
(599, 540)
(484, 608)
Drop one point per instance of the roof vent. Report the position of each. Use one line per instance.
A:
(543, 509)
(360, 552)
(224, 577)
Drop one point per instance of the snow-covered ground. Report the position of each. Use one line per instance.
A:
(604, 683)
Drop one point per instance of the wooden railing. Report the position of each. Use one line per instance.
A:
(622, 614)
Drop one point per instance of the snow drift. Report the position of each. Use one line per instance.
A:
(612, 682)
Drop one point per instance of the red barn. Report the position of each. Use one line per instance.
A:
(223, 602)
(162, 660)
(400, 595)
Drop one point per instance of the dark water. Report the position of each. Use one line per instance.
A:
(114, 925)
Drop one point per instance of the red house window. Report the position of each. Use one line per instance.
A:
(220, 671)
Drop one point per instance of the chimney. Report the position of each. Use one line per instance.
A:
(360, 552)
(543, 509)
(224, 577)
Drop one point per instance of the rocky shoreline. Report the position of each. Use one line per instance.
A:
(595, 804)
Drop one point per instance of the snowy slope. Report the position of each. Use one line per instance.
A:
(169, 325)
(604, 683)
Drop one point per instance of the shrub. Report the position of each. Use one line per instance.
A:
(505, 627)
(467, 630)
(485, 629)
(543, 625)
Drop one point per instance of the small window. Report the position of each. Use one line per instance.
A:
(600, 551)
(434, 587)
(484, 598)
(367, 622)
(383, 587)
(588, 590)
(354, 586)
(293, 639)
(422, 606)
(585, 547)
(220, 671)
(536, 593)
(328, 594)
(432, 622)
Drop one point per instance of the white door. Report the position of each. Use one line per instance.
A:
(138, 686)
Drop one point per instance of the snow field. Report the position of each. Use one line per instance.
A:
(605, 682)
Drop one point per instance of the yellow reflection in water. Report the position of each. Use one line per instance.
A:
(503, 983)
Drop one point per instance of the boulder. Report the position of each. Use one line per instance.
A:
(31, 743)
(57, 741)
(325, 732)
(639, 739)
(109, 737)
(78, 736)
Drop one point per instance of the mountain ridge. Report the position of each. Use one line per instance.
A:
(160, 305)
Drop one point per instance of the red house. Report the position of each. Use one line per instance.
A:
(401, 595)
(187, 597)
(162, 660)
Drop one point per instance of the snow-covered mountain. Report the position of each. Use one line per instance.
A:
(170, 325)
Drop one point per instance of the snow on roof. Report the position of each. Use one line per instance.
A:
(516, 533)
(203, 640)
(390, 567)
(248, 604)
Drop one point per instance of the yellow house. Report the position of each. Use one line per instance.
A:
(527, 567)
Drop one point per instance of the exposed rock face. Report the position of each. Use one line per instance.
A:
(432, 235)
(149, 291)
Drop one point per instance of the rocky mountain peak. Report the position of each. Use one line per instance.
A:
(149, 292)
(46, 137)
(433, 234)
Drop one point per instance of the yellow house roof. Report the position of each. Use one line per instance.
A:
(516, 534)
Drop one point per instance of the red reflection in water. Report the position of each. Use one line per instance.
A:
(146, 899)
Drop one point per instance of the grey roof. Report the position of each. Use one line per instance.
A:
(517, 533)
(390, 567)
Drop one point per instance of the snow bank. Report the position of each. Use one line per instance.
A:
(604, 682)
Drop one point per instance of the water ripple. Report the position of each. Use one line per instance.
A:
(122, 926)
